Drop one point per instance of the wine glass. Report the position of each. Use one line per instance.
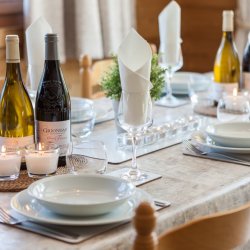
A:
(171, 67)
(135, 116)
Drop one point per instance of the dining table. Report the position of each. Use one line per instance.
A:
(194, 186)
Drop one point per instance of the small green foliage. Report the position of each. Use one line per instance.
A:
(111, 83)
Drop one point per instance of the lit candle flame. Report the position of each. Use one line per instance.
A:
(3, 150)
(40, 148)
(235, 91)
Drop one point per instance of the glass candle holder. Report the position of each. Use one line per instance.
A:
(233, 108)
(87, 157)
(10, 163)
(41, 159)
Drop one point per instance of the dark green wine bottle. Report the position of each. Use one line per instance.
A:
(52, 109)
(246, 66)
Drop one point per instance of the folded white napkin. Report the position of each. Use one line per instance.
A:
(169, 29)
(134, 58)
(36, 50)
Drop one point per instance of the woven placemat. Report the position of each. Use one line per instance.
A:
(206, 110)
(23, 181)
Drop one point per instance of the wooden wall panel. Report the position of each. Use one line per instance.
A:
(11, 22)
(201, 28)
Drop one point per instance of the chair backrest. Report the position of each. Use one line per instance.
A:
(220, 231)
(91, 76)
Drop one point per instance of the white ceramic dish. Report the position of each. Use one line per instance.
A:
(206, 144)
(80, 110)
(29, 207)
(181, 81)
(81, 195)
(230, 134)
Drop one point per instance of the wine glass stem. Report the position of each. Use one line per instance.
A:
(169, 76)
(134, 163)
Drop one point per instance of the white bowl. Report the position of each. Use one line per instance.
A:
(81, 109)
(230, 134)
(81, 195)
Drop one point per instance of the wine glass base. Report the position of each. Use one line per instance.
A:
(134, 175)
(171, 101)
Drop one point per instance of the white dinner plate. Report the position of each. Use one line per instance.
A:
(230, 134)
(81, 195)
(206, 144)
(181, 80)
(29, 207)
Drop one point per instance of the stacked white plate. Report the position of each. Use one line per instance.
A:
(231, 137)
(80, 110)
(183, 81)
(79, 200)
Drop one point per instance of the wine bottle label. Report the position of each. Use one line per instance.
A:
(54, 132)
(16, 142)
(220, 88)
(246, 80)
(51, 95)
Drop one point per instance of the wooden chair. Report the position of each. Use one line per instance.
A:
(220, 231)
(91, 74)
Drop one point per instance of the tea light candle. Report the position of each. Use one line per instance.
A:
(233, 102)
(42, 160)
(10, 163)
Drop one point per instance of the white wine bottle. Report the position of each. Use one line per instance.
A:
(16, 111)
(52, 109)
(227, 64)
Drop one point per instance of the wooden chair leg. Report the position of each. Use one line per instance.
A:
(85, 74)
(144, 223)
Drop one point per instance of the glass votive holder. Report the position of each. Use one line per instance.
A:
(41, 159)
(10, 163)
(159, 132)
(233, 108)
(149, 136)
(87, 157)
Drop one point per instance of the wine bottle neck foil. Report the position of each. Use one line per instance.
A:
(12, 49)
(51, 52)
(228, 20)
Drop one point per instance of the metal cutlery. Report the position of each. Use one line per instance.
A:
(161, 203)
(7, 218)
(196, 150)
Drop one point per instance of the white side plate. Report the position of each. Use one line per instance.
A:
(205, 144)
(27, 206)
(230, 134)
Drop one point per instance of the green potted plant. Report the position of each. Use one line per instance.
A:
(111, 83)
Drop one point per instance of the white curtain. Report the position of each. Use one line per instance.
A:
(94, 27)
(242, 24)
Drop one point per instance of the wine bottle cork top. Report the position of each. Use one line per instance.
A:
(228, 20)
(12, 49)
(12, 38)
(51, 52)
(51, 37)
